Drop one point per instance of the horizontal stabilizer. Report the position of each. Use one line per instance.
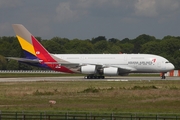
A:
(24, 59)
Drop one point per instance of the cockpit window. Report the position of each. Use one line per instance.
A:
(167, 62)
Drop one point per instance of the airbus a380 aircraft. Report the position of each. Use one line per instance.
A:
(95, 66)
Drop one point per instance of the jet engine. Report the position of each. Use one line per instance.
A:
(111, 71)
(88, 69)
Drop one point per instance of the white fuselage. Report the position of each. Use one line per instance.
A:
(142, 63)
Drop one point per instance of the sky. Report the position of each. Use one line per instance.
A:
(87, 19)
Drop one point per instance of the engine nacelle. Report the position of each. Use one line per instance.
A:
(111, 71)
(88, 69)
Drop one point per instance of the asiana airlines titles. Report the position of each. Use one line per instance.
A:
(141, 63)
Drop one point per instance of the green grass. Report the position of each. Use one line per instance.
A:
(92, 96)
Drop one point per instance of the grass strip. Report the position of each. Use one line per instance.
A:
(97, 96)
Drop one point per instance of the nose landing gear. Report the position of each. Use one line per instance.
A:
(163, 76)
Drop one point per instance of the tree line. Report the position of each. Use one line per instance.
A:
(168, 47)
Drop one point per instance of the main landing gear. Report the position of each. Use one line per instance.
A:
(94, 77)
(163, 76)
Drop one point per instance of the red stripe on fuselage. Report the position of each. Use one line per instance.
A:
(44, 55)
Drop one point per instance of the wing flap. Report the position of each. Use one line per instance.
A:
(122, 68)
(126, 69)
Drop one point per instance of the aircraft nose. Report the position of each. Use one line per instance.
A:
(170, 66)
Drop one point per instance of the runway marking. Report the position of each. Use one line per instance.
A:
(117, 80)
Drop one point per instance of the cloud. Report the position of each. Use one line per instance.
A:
(10, 3)
(4, 28)
(169, 4)
(90, 17)
(154, 8)
(65, 12)
(168, 10)
(77, 9)
(146, 8)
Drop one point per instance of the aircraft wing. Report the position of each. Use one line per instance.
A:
(122, 68)
(125, 69)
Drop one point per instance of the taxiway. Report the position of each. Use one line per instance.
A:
(81, 78)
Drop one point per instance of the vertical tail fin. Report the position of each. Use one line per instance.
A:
(30, 45)
(35, 51)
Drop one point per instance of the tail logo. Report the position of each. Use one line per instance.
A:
(37, 52)
(154, 60)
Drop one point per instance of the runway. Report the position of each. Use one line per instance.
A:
(81, 78)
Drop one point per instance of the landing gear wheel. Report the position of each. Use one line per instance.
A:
(163, 76)
(101, 77)
(94, 77)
